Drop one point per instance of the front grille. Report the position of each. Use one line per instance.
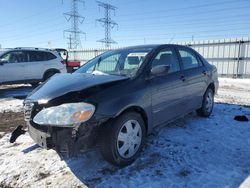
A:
(28, 107)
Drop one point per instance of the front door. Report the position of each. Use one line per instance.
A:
(14, 68)
(168, 91)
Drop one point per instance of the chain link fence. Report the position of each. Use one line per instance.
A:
(230, 56)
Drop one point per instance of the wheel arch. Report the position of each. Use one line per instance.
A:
(50, 70)
(212, 86)
(138, 110)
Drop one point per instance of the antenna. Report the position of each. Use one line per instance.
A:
(107, 23)
(76, 19)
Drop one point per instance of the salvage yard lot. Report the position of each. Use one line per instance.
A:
(191, 152)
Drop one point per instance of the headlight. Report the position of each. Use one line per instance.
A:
(65, 115)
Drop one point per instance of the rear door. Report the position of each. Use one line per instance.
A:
(195, 75)
(36, 65)
(14, 68)
(167, 90)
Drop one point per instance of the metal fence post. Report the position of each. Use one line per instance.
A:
(238, 58)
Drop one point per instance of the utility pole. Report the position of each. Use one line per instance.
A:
(107, 23)
(70, 42)
(76, 19)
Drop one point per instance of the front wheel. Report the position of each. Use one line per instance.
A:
(207, 104)
(123, 139)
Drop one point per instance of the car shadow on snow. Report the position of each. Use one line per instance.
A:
(31, 148)
(89, 167)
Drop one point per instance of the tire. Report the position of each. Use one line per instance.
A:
(123, 139)
(207, 104)
(48, 75)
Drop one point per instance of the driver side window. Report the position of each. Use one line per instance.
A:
(15, 57)
(167, 57)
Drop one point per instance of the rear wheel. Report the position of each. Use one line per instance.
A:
(207, 104)
(49, 74)
(123, 139)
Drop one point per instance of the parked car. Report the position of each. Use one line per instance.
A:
(116, 99)
(71, 65)
(29, 65)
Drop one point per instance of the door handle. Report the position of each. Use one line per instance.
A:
(182, 78)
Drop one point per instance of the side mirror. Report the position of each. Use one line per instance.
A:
(160, 70)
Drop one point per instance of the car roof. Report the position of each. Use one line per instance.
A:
(151, 46)
(28, 49)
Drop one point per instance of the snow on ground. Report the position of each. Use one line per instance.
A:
(234, 91)
(11, 97)
(192, 152)
(11, 104)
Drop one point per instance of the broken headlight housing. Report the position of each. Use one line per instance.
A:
(65, 115)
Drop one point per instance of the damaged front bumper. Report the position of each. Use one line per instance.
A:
(65, 140)
(43, 139)
(68, 140)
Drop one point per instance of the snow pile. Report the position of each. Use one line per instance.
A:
(11, 97)
(10, 104)
(234, 91)
(192, 152)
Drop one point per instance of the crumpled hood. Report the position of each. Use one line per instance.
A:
(61, 84)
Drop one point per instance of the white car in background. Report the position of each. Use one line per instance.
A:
(29, 65)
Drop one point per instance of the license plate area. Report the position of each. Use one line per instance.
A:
(41, 138)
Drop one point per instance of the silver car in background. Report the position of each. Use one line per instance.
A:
(29, 65)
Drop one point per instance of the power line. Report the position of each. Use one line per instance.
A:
(185, 8)
(107, 22)
(148, 28)
(75, 19)
(201, 12)
(181, 25)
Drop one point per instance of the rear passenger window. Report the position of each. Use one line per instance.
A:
(189, 60)
(167, 57)
(50, 56)
(40, 56)
(36, 56)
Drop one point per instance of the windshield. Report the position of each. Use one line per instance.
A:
(124, 62)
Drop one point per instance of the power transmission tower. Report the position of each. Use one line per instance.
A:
(76, 19)
(70, 42)
(107, 23)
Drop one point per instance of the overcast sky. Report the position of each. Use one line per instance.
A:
(41, 23)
